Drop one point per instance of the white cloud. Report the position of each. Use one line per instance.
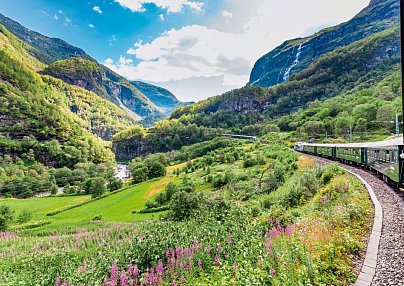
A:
(173, 6)
(91, 26)
(161, 16)
(68, 21)
(227, 14)
(97, 9)
(196, 52)
(56, 17)
(111, 41)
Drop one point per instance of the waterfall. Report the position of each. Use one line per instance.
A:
(286, 75)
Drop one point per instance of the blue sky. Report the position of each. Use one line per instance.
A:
(195, 48)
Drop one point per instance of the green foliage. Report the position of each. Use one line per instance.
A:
(156, 170)
(96, 186)
(183, 205)
(115, 184)
(24, 216)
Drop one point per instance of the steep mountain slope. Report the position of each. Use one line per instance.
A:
(161, 97)
(46, 118)
(46, 50)
(94, 77)
(349, 68)
(74, 66)
(295, 55)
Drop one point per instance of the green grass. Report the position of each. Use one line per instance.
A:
(114, 208)
(40, 206)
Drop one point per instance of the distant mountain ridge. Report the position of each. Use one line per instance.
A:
(278, 65)
(161, 97)
(97, 78)
(46, 49)
(75, 66)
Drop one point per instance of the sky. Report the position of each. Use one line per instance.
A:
(194, 48)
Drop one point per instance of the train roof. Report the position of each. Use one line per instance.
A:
(389, 142)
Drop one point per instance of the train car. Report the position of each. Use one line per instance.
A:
(298, 146)
(355, 154)
(309, 148)
(387, 159)
(326, 150)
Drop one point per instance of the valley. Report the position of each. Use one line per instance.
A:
(106, 180)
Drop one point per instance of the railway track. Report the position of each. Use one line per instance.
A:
(389, 268)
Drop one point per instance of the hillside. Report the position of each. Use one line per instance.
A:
(74, 66)
(46, 121)
(94, 77)
(346, 69)
(295, 55)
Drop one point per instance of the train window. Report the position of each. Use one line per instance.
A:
(387, 156)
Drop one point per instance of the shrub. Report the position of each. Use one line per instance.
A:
(95, 186)
(115, 184)
(183, 205)
(156, 170)
(24, 216)
(139, 173)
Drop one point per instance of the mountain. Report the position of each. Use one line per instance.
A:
(46, 50)
(74, 66)
(161, 97)
(295, 55)
(97, 78)
(347, 69)
(43, 119)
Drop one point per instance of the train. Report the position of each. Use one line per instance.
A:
(385, 158)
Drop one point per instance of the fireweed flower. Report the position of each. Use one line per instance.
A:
(268, 246)
(216, 261)
(114, 274)
(288, 230)
(272, 272)
(130, 270)
(57, 281)
(209, 249)
(123, 279)
(160, 268)
(199, 264)
(135, 272)
(229, 238)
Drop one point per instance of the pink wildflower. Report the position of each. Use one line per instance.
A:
(272, 272)
(123, 279)
(216, 261)
(229, 241)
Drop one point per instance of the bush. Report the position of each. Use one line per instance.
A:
(97, 218)
(139, 173)
(115, 184)
(183, 205)
(24, 216)
(95, 186)
(156, 170)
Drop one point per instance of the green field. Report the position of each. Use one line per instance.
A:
(117, 207)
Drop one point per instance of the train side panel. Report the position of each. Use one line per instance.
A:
(351, 154)
(327, 151)
(310, 149)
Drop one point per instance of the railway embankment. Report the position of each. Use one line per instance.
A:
(388, 247)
